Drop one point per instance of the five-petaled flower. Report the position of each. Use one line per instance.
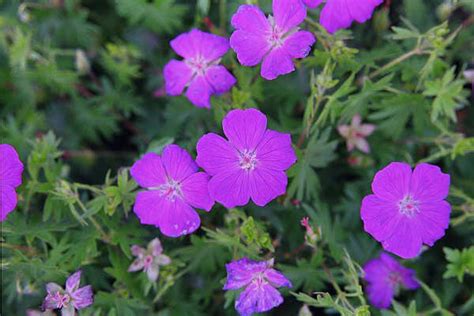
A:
(250, 164)
(70, 299)
(259, 280)
(200, 71)
(356, 133)
(384, 276)
(173, 187)
(407, 208)
(11, 169)
(276, 40)
(339, 14)
(150, 259)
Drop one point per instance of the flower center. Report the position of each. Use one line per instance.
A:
(62, 300)
(408, 206)
(147, 262)
(248, 160)
(170, 190)
(394, 279)
(275, 38)
(198, 64)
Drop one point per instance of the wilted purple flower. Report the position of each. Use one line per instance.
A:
(259, 281)
(11, 169)
(356, 133)
(276, 40)
(70, 299)
(251, 164)
(384, 276)
(150, 259)
(200, 71)
(339, 14)
(32, 312)
(407, 208)
(173, 188)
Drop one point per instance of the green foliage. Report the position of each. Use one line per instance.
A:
(460, 262)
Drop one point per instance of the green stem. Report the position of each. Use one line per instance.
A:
(402, 58)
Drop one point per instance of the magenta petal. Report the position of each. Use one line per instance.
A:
(298, 44)
(149, 171)
(249, 41)
(251, 19)
(195, 191)
(198, 43)
(155, 247)
(277, 62)
(230, 188)
(177, 75)
(380, 295)
(148, 207)
(266, 185)
(72, 282)
(136, 265)
(241, 272)
(392, 183)
(245, 128)
(11, 167)
(428, 183)
(199, 92)
(8, 201)
(215, 154)
(275, 151)
(405, 241)
(178, 218)
(220, 79)
(249, 47)
(288, 13)
(276, 278)
(257, 298)
(433, 220)
(312, 3)
(380, 217)
(339, 14)
(177, 162)
(83, 297)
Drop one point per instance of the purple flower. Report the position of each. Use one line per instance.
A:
(384, 276)
(275, 40)
(70, 299)
(200, 71)
(407, 208)
(11, 169)
(356, 133)
(250, 164)
(174, 187)
(150, 259)
(259, 281)
(339, 14)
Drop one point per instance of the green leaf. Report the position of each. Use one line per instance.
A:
(461, 262)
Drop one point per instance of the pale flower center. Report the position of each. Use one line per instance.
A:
(62, 300)
(275, 38)
(170, 190)
(408, 206)
(198, 64)
(148, 261)
(248, 160)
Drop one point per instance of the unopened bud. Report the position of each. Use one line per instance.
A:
(82, 63)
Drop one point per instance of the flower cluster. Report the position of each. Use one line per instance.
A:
(275, 41)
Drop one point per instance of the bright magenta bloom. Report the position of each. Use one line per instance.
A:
(384, 276)
(11, 169)
(408, 209)
(250, 164)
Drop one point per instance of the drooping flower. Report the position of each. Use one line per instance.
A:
(408, 209)
(339, 14)
(259, 280)
(11, 169)
(384, 276)
(276, 40)
(250, 164)
(174, 187)
(149, 260)
(356, 133)
(71, 299)
(200, 71)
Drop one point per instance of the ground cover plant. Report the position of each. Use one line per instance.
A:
(226, 157)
